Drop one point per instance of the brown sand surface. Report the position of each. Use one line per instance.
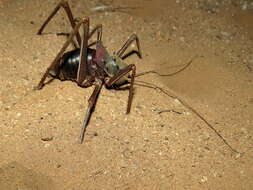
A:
(145, 149)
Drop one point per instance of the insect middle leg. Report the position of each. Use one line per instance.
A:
(91, 104)
(82, 68)
(97, 29)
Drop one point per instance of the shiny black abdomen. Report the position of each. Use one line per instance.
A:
(70, 63)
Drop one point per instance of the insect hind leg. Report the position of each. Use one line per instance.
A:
(62, 4)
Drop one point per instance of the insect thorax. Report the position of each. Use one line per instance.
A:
(113, 64)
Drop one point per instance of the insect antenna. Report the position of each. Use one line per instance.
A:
(170, 74)
(172, 95)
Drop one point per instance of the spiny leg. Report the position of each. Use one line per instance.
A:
(121, 74)
(91, 104)
(56, 61)
(97, 28)
(64, 4)
(82, 67)
(74, 43)
(132, 38)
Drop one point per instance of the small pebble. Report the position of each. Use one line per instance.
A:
(46, 145)
(95, 134)
(177, 101)
(238, 155)
(203, 179)
(146, 139)
(47, 138)
(182, 39)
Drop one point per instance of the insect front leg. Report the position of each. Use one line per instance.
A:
(121, 74)
(131, 39)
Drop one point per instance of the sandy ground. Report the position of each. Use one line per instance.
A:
(146, 149)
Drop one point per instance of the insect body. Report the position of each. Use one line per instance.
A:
(69, 64)
(68, 68)
(87, 66)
